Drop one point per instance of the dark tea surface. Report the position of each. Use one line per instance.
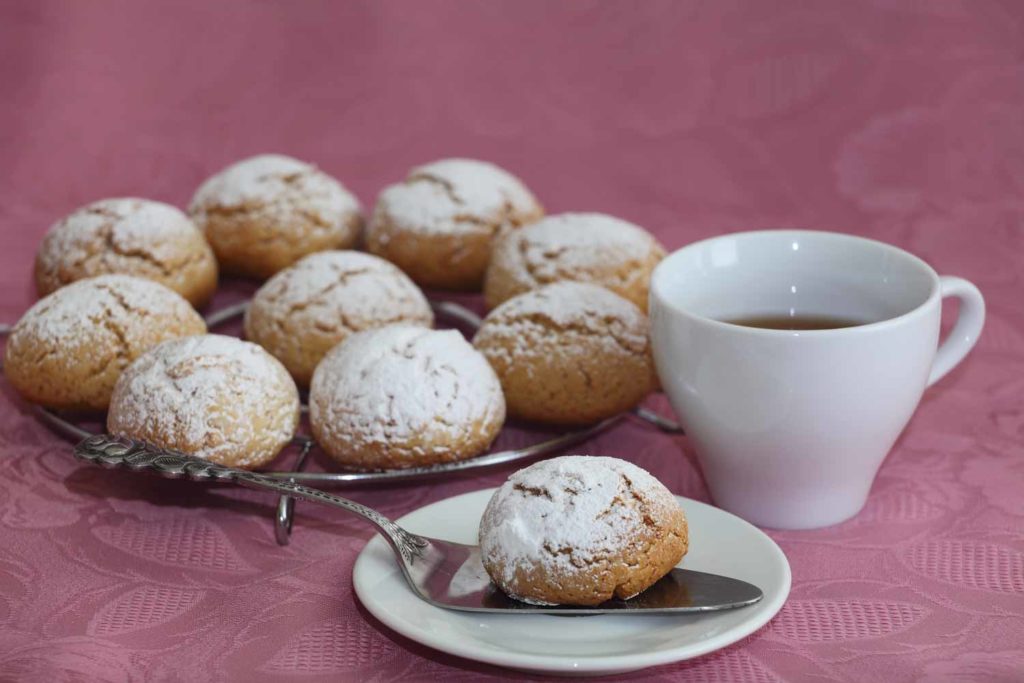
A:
(797, 322)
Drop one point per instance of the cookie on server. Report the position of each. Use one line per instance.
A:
(580, 530)
(569, 353)
(403, 396)
(439, 224)
(264, 213)
(69, 349)
(305, 310)
(585, 247)
(215, 397)
(128, 236)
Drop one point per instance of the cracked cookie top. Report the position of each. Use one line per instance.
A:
(128, 236)
(438, 224)
(264, 213)
(585, 247)
(69, 349)
(456, 195)
(308, 308)
(402, 396)
(580, 530)
(568, 353)
(212, 396)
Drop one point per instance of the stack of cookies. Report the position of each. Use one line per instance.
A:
(565, 341)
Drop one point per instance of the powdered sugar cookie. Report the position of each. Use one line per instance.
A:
(580, 530)
(128, 237)
(402, 396)
(305, 310)
(439, 224)
(215, 397)
(68, 350)
(264, 213)
(568, 353)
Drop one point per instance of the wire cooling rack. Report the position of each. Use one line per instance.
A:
(302, 446)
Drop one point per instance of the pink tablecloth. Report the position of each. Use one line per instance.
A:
(903, 121)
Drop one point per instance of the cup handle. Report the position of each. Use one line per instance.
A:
(969, 321)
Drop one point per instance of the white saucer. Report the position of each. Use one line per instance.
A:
(719, 542)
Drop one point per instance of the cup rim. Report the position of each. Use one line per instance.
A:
(659, 297)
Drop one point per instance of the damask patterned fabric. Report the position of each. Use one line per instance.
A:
(897, 120)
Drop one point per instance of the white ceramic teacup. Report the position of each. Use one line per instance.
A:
(790, 427)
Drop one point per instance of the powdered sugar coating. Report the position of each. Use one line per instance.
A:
(212, 396)
(70, 347)
(306, 309)
(128, 236)
(62, 317)
(136, 225)
(455, 196)
(569, 520)
(264, 213)
(439, 224)
(370, 289)
(269, 179)
(585, 247)
(403, 396)
(569, 353)
(592, 314)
